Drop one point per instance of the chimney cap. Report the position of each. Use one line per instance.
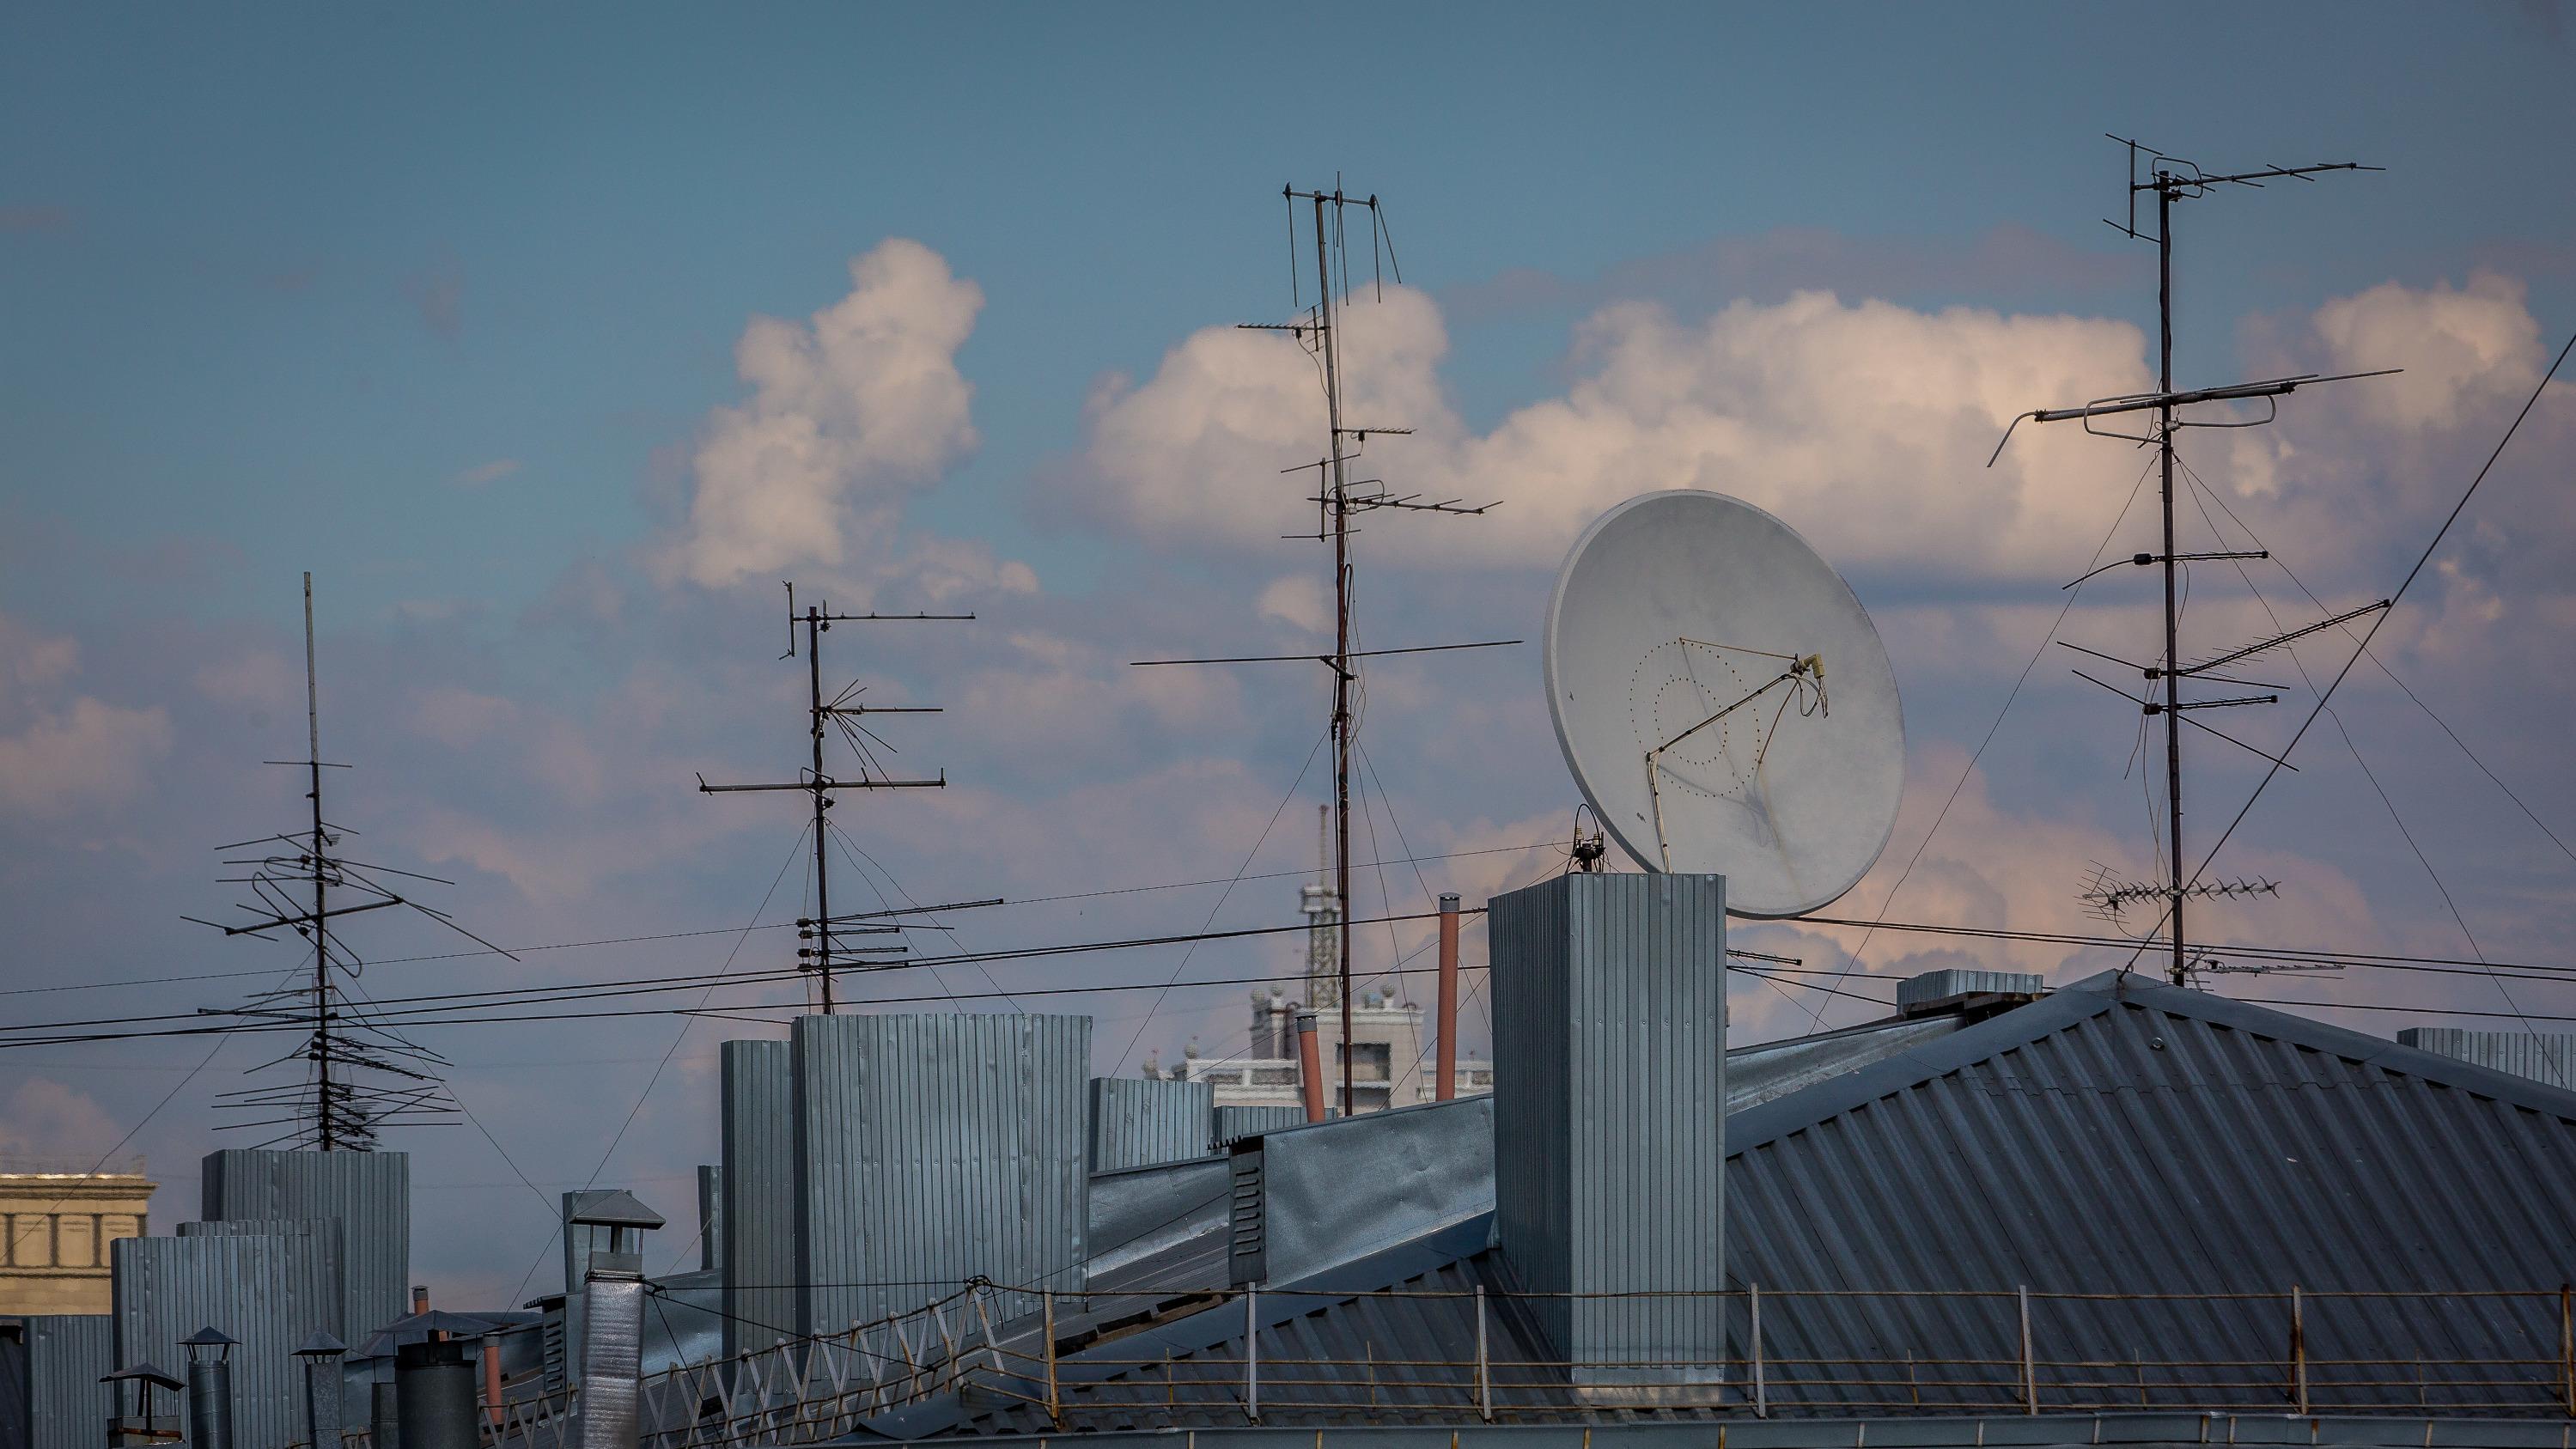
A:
(617, 1208)
(321, 1345)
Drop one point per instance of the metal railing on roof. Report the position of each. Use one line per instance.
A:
(1796, 1352)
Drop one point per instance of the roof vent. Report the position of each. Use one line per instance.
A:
(1934, 992)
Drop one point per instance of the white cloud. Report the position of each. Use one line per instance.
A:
(482, 474)
(1866, 424)
(849, 412)
(62, 756)
(1298, 600)
(2459, 346)
(47, 1118)
(88, 754)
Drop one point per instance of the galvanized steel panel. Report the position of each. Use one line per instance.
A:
(2127, 1138)
(710, 1217)
(270, 1292)
(1233, 1124)
(1344, 1189)
(759, 1227)
(1610, 1040)
(1144, 1215)
(2548, 1056)
(935, 1148)
(1137, 1122)
(1932, 986)
(65, 1353)
(369, 1192)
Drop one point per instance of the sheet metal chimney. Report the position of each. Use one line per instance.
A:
(434, 1395)
(210, 1389)
(611, 1350)
(1310, 1066)
(1445, 1060)
(1610, 1044)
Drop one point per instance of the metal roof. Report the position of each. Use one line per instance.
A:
(2116, 1138)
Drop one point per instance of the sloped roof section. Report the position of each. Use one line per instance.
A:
(2206, 1201)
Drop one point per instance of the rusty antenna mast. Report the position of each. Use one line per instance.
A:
(345, 1097)
(1339, 499)
(824, 954)
(2171, 179)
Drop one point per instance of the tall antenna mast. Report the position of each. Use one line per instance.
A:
(344, 1101)
(1339, 500)
(843, 712)
(2170, 179)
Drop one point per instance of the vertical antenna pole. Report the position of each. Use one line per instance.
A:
(822, 802)
(325, 1116)
(2173, 659)
(1341, 634)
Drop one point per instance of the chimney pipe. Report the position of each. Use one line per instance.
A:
(492, 1380)
(434, 1396)
(420, 1298)
(611, 1351)
(1447, 1059)
(1310, 1065)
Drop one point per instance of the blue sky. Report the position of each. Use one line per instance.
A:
(444, 306)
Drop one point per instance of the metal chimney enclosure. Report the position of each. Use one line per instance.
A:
(1610, 1032)
(611, 1353)
(434, 1392)
(210, 1389)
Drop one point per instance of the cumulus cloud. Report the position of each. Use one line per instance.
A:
(58, 756)
(1867, 423)
(2459, 346)
(850, 411)
(1298, 600)
(46, 1118)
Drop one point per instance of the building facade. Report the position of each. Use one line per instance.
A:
(59, 1219)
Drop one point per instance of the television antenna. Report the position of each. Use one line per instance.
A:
(2172, 179)
(842, 712)
(1339, 499)
(360, 1076)
(1724, 701)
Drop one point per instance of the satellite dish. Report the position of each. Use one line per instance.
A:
(1724, 701)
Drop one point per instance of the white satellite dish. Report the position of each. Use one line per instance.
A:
(1724, 701)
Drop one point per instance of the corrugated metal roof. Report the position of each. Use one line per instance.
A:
(2116, 1138)
(1136, 1122)
(934, 1148)
(2546, 1056)
(65, 1354)
(268, 1292)
(369, 1192)
(759, 1248)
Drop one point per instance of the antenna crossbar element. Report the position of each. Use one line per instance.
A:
(2166, 401)
(1335, 662)
(837, 712)
(2278, 640)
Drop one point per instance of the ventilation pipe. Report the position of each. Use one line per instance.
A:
(1447, 1059)
(210, 1389)
(420, 1298)
(434, 1395)
(492, 1380)
(1310, 1066)
(611, 1350)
